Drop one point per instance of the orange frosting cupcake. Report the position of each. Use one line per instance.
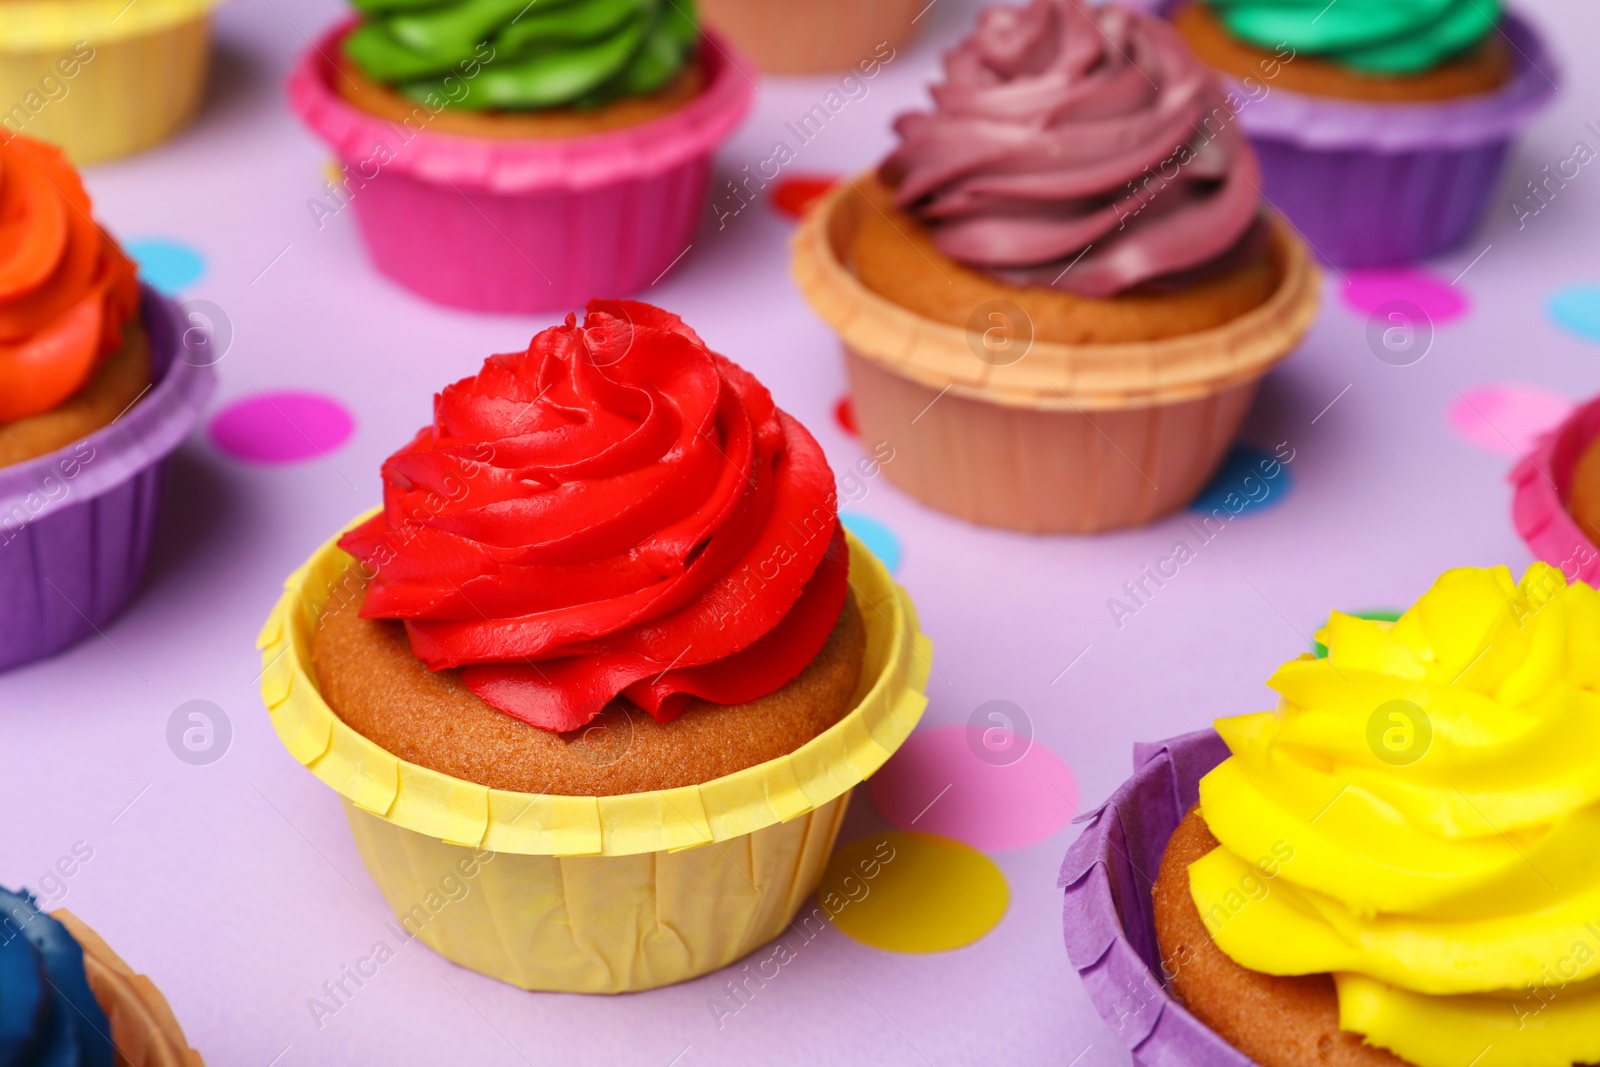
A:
(66, 289)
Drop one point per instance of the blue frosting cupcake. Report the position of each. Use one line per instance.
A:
(48, 1015)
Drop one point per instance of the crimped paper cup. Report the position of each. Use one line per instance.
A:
(525, 225)
(785, 37)
(1109, 919)
(76, 525)
(1067, 439)
(1372, 185)
(144, 1031)
(1543, 483)
(102, 78)
(601, 924)
(597, 894)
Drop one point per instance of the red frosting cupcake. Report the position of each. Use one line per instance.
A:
(606, 614)
(617, 517)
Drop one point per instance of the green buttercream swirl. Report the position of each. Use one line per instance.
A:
(1383, 37)
(524, 55)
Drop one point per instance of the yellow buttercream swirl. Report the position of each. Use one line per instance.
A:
(1421, 818)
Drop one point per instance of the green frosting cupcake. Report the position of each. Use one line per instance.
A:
(524, 55)
(1385, 37)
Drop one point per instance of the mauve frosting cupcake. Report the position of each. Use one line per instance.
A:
(1070, 248)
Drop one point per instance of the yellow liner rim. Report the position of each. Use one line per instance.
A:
(1087, 377)
(28, 27)
(466, 813)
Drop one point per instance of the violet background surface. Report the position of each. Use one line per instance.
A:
(236, 886)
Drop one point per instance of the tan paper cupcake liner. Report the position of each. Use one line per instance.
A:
(598, 894)
(133, 90)
(143, 1028)
(816, 36)
(1051, 377)
(1065, 438)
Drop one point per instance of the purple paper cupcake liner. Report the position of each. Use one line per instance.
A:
(1543, 483)
(1108, 918)
(76, 525)
(1372, 185)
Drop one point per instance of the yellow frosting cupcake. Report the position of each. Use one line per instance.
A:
(1435, 785)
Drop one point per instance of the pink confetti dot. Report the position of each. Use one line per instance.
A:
(1508, 419)
(938, 784)
(285, 427)
(1368, 290)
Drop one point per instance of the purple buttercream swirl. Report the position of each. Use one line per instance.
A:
(1081, 148)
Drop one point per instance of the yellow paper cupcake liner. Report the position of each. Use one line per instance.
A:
(101, 79)
(597, 894)
(57, 25)
(143, 1028)
(1050, 377)
(598, 924)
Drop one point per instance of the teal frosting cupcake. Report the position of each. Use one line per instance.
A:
(1381, 37)
(525, 55)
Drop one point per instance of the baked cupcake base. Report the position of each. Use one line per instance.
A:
(118, 384)
(1483, 69)
(1276, 1021)
(896, 257)
(355, 86)
(369, 676)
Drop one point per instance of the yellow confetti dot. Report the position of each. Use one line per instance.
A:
(913, 892)
(333, 172)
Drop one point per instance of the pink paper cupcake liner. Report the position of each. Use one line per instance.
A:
(76, 525)
(527, 225)
(1543, 483)
(1109, 921)
(1372, 185)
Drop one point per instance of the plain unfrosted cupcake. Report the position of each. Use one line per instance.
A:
(96, 389)
(606, 612)
(506, 161)
(1058, 295)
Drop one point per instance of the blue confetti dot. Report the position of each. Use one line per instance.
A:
(169, 266)
(1577, 308)
(876, 536)
(1251, 479)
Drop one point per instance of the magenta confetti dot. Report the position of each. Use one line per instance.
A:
(1508, 418)
(939, 784)
(286, 427)
(1368, 290)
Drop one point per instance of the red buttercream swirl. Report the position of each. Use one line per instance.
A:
(616, 511)
(66, 290)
